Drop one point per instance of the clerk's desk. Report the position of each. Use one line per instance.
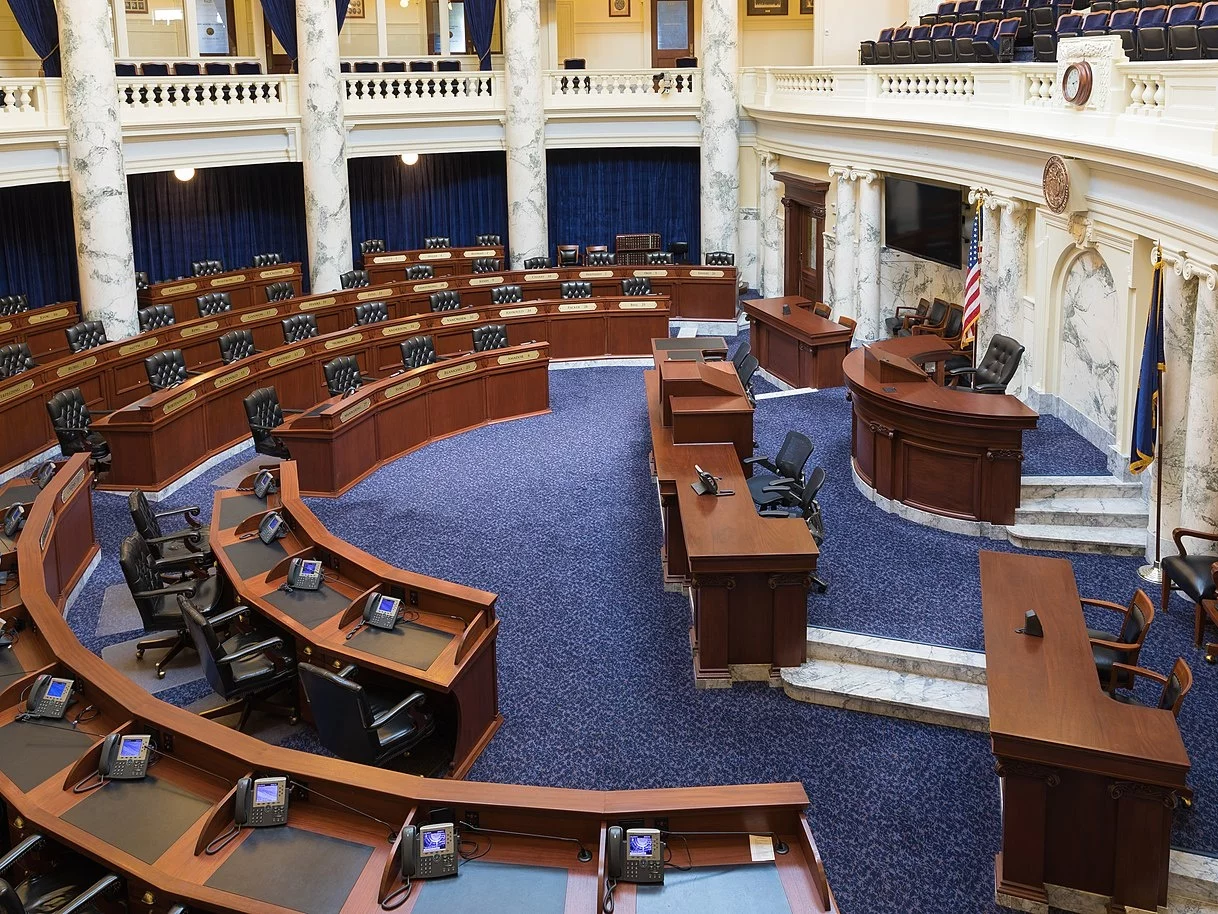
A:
(329, 858)
(799, 347)
(748, 576)
(1088, 783)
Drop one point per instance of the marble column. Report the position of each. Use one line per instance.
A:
(769, 235)
(988, 322)
(720, 125)
(323, 142)
(524, 132)
(1199, 500)
(1179, 310)
(1012, 278)
(845, 243)
(869, 243)
(100, 213)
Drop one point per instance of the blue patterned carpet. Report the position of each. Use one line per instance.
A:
(557, 515)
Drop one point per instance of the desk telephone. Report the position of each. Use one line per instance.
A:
(124, 757)
(634, 855)
(261, 801)
(49, 697)
(264, 484)
(381, 611)
(305, 574)
(43, 475)
(428, 852)
(708, 483)
(272, 527)
(14, 519)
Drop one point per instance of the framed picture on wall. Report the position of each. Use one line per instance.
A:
(767, 7)
(805, 7)
(356, 9)
(135, 6)
(619, 8)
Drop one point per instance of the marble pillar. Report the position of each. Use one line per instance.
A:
(867, 252)
(1179, 310)
(845, 237)
(1012, 278)
(720, 125)
(524, 132)
(100, 212)
(323, 142)
(1199, 499)
(769, 234)
(988, 322)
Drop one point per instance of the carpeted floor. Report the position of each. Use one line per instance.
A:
(557, 515)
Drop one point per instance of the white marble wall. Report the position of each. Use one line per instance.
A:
(323, 140)
(748, 263)
(769, 236)
(524, 133)
(1009, 286)
(845, 231)
(1179, 310)
(987, 323)
(1199, 507)
(1091, 343)
(830, 267)
(905, 279)
(720, 125)
(100, 211)
(869, 242)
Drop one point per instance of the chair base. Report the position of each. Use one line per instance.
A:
(252, 703)
(176, 644)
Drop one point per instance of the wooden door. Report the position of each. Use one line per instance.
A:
(672, 32)
(804, 241)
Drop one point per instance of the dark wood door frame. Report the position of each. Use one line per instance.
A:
(805, 209)
(668, 58)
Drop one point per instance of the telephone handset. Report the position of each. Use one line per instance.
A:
(264, 484)
(305, 574)
(14, 519)
(49, 697)
(634, 855)
(381, 611)
(124, 757)
(261, 801)
(428, 852)
(708, 483)
(43, 474)
(272, 527)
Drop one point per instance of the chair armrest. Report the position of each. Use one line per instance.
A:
(774, 512)
(192, 534)
(1136, 671)
(960, 372)
(188, 510)
(186, 587)
(920, 330)
(291, 412)
(347, 672)
(763, 461)
(228, 615)
(989, 388)
(385, 716)
(263, 428)
(1104, 604)
(252, 650)
(180, 562)
(1115, 645)
(101, 412)
(1181, 532)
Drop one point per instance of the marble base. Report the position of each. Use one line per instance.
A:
(1062, 898)
(209, 463)
(753, 672)
(926, 518)
(1096, 512)
(929, 660)
(1093, 540)
(1108, 488)
(1193, 880)
(688, 328)
(80, 585)
(1053, 405)
(23, 468)
(622, 362)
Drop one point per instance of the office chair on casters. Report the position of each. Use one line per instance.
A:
(536, 263)
(299, 327)
(418, 351)
(486, 265)
(15, 359)
(490, 336)
(73, 424)
(155, 317)
(264, 415)
(343, 376)
(679, 251)
(14, 304)
(996, 369)
(86, 335)
(636, 285)
(448, 300)
(373, 312)
(435, 242)
(166, 369)
(214, 303)
(420, 271)
(190, 541)
(279, 291)
(236, 345)
(491, 240)
(354, 279)
(360, 725)
(745, 370)
(805, 506)
(69, 888)
(742, 352)
(786, 469)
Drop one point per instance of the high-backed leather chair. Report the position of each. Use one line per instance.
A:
(537, 263)
(69, 888)
(359, 725)
(166, 369)
(660, 258)
(996, 369)
(448, 300)
(264, 415)
(568, 255)
(595, 249)
(486, 265)
(934, 317)
(489, 240)
(141, 281)
(418, 351)
(785, 469)
(14, 304)
(601, 259)
(636, 285)
(505, 295)
(14, 359)
(73, 424)
(951, 330)
(245, 669)
(720, 259)
(86, 335)
(437, 241)
(679, 251)
(155, 589)
(372, 246)
(354, 279)
(268, 260)
(299, 327)
(155, 317)
(236, 345)
(279, 291)
(420, 271)
(1175, 686)
(1111, 651)
(214, 303)
(191, 541)
(490, 336)
(343, 376)
(372, 312)
(205, 267)
(575, 288)
(1190, 574)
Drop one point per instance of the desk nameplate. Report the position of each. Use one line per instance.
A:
(388, 258)
(178, 402)
(80, 365)
(513, 358)
(485, 281)
(139, 346)
(706, 274)
(401, 329)
(573, 306)
(232, 378)
(188, 332)
(316, 303)
(650, 274)
(352, 411)
(481, 252)
(540, 277)
(227, 280)
(250, 316)
(369, 294)
(17, 390)
(638, 305)
(430, 286)
(436, 255)
(456, 371)
(454, 319)
(41, 317)
(596, 274)
(281, 271)
(344, 341)
(284, 358)
(518, 312)
(404, 387)
(178, 289)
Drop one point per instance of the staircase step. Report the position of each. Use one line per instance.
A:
(1079, 512)
(1038, 487)
(896, 655)
(1060, 538)
(858, 687)
(1192, 882)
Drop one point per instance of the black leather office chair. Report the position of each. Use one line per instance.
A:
(418, 351)
(372, 246)
(343, 376)
(279, 291)
(69, 888)
(996, 369)
(214, 303)
(190, 541)
(490, 336)
(373, 312)
(354, 279)
(1175, 686)
(486, 265)
(1190, 574)
(575, 288)
(237, 345)
(205, 267)
(14, 304)
(679, 251)
(86, 335)
(745, 370)
(73, 424)
(1112, 651)
(264, 415)
(299, 327)
(360, 725)
(155, 317)
(420, 271)
(437, 241)
(155, 586)
(601, 259)
(14, 359)
(743, 351)
(636, 285)
(786, 469)
(166, 369)
(245, 669)
(489, 240)
(660, 258)
(537, 263)
(720, 259)
(568, 255)
(141, 281)
(506, 295)
(448, 300)
(268, 260)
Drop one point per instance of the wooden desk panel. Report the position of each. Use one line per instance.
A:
(391, 266)
(801, 348)
(246, 288)
(42, 329)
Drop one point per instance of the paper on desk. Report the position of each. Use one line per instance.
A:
(761, 847)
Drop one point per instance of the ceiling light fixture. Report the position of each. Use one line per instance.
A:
(183, 174)
(410, 158)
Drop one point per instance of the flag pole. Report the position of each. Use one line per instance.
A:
(1153, 573)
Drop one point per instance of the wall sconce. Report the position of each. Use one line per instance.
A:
(183, 174)
(410, 158)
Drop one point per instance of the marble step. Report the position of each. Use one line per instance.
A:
(1106, 487)
(898, 656)
(1061, 538)
(1082, 512)
(1192, 878)
(859, 687)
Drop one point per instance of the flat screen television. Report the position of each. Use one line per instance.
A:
(925, 220)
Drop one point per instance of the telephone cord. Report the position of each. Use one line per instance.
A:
(397, 897)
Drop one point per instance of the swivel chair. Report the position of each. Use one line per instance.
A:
(189, 541)
(537, 263)
(448, 300)
(273, 258)
(575, 288)
(15, 358)
(86, 335)
(745, 371)
(373, 312)
(600, 259)
(141, 281)
(69, 888)
(299, 327)
(264, 415)
(720, 259)
(73, 424)
(490, 240)
(202, 267)
(354, 279)
(236, 345)
(786, 469)
(660, 258)
(372, 246)
(437, 241)
(420, 271)
(155, 317)
(568, 255)
(506, 295)
(166, 369)
(486, 265)
(418, 351)
(214, 303)
(343, 376)
(14, 304)
(997, 367)
(636, 285)
(490, 336)
(279, 291)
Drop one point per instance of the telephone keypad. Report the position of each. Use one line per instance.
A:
(643, 870)
(269, 815)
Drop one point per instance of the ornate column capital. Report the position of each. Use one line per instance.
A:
(843, 173)
(978, 195)
(1083, 229)
(1009, 205)
(767, 157)
(866, 175)
(1186, 267)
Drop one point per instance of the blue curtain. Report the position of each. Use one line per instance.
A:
(595, 194)
(480, 20)
(461, 195)
(38, 243)
(226, 214)
(40, 25)
(281, 16)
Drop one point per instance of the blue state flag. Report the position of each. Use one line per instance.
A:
(1150, 380)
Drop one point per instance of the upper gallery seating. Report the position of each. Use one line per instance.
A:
(189, 68)
(398, 66)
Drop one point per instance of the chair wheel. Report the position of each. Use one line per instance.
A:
(1209, 658)
(139, 653)
(294, 720)
(160, 674)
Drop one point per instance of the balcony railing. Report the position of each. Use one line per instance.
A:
(176, 99)
(431, 93)
(656, 90)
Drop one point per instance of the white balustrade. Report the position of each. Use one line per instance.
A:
(1039, 87)
(438, 92)
(1147, 94)
(952, 84)
(599, 89)
(19, 97)
(160, 99)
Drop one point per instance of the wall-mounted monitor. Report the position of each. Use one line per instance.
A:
(925, 220)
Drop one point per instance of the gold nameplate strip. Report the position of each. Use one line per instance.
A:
(436, 255)
(456, 370)
(7, 325)
(178, 402)
(70, 489)
(17, 390)
(596, 274)
(174, 290)
(531, 356)
(488, 252)
(373, 293)
(705, 274)
(389, 258)
(453, 319)
(142, 345)
(281, 271)
(316, 303)
(276, 360)
(228, 280)
(517, 312)
(399, 329)
(41, 317)
(232, 377)
(638, 305)
(651, 273)
(188, 332)
(353, 411)
(77, 366)
(572, 306)
(344, 341)
(486, 280)
(258, 315)
(539, 277)
(430, 286)
(398, 389)
(46, 532)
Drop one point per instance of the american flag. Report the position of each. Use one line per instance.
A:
(972, 283)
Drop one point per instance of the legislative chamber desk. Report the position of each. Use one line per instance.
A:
(1088, 783)
(801, 348)
(42, 329)
(246, 288)
(748, 576)
(330, 858)
(944, 450)
(392, 265)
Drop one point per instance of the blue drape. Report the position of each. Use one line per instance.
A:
(38, 243)
(595, 194)
(226, 214)
(281, 16)
(480, 20)
(40, 25)
(461, 195)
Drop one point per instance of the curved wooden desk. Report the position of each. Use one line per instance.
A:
(52, 554)
(391, 265)
(246, 287)
(946, 451)
(42, 329)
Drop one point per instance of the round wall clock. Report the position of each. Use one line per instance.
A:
(1076, 83)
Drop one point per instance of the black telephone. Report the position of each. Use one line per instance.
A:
(634, 855)
(124, 757)
(261, 801)
(49, 697)
(381, 611)
(708, 483)
(264, 484)
(7, 637)
(43, 474)
(272, 527)
(305, 574)
(428, 852)
(14, 519)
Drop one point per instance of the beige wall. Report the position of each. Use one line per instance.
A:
(148, 36)
(842, 24)
(14, 45)
(777, 41)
